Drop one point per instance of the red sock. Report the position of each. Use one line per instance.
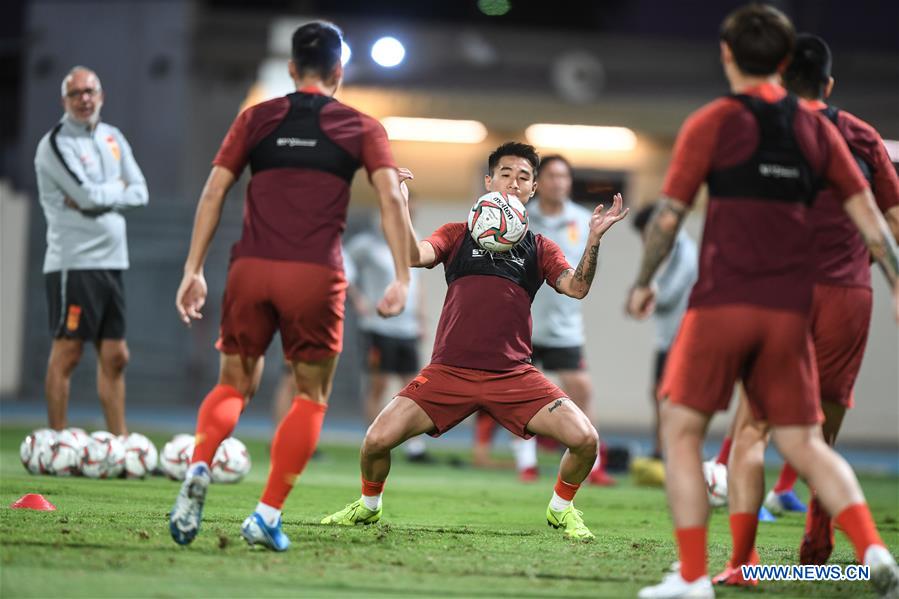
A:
(484, 428)
(857, 523)
(370, 489)
(724, 454)
(216, 419)
(565, 490)
(787, 479)
(743, 527)
(293, 445)
(691, 544)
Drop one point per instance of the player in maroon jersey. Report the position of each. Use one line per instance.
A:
(841, 301)
(481, 358)
(763, 157)
(286, 271)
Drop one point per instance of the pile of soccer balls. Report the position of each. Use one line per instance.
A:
(73, 452)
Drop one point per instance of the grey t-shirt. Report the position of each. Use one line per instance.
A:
(673, 284)
(371, 271)
(95, 168)
(558, 319)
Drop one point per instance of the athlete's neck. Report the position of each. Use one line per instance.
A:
(328, 89)
(550, 207)
(739, 82)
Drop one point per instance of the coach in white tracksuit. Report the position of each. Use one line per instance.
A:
(86, 178)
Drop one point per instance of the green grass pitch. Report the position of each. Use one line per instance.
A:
(453, 532)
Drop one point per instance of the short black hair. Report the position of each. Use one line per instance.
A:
(316, 48)
(547, 160)
(760, 37)
(809, 71)
(641, 219)
(514, 148)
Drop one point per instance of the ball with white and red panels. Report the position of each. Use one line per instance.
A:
(715, 475)
(175, 457)
(497, 221)
(103, 456)
(64, 457)
(141, 457)
(231, 462)
(36, 449)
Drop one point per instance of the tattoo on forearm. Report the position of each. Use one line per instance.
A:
(662, 230)
(586, 268)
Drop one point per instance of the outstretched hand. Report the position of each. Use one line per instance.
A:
(601, 222)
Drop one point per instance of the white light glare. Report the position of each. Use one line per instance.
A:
(345, 53)
(892, 149)
(434, 130)
(388, 52)
(584, 137)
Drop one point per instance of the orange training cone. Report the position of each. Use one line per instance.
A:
(33, 501)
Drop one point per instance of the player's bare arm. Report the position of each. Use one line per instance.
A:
(892, 218)
(191, 294)
(661, 231)
(421, 253)
(576, 283)
(395, 223)
(878, 237)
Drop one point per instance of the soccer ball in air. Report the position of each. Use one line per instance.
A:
(231, 462)
(103, 456)
(176, 455)
(64, 456)
(497, 222)
(35, 450)
(715, 475)
(141, 456)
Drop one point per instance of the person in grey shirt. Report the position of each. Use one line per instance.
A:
(87, 177)
(391, 344)
(673, 284)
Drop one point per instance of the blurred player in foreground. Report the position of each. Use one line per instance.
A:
(481, 358)
(841, 302)
(286, 271)
(764, 157)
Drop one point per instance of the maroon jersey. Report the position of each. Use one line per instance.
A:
(303, 150)
(841, 256)
(486, 319)
(756, 247)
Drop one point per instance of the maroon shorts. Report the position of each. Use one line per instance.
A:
(840, 320)
(770, 350)
(448, 395)
(303, 301)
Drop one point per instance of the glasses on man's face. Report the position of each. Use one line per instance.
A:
(77, 93)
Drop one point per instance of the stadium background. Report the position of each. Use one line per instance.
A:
(176, 72)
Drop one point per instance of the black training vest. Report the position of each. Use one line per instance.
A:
(832, 112)
(299, 142)
(777, 170)
(519, 265)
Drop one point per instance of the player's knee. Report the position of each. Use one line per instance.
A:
(377, 441)
(585, 442)
(116, 360)
(65, 357)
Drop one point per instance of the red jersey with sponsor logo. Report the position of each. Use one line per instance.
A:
(756, 250)
(303, 149)
(486, 319)
(841, 256)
